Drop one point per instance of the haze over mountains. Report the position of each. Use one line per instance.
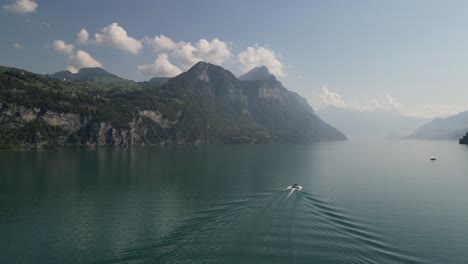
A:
(206, 104)
(388, 124)
(371, 124)
(451, 128)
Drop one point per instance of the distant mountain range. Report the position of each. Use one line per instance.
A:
(451, 128)
(206, 104)
(375, 124)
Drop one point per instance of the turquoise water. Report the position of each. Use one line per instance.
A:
(363, 202)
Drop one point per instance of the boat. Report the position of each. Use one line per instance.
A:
(433, 158)
(295, 186)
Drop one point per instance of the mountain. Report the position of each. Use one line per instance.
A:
(453, 127)
(63, 75)
(158, 80)
(260, 73)
(206, 104)
(243, 106)
(84, 74)
(96, 77)
(375, 124)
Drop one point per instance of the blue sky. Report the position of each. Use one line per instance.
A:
(408, 56)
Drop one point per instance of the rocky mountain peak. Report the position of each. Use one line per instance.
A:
(260, 73)
(208, 72)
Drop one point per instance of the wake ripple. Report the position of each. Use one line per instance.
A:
(273, 227)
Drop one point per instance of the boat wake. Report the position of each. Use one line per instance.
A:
(289, 194)
(273, 227)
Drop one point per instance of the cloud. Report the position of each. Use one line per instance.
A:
(184, 53)
(258, 56)
(187, 54)
(163, 43)
(81, 59)
(214, 51)
(76, 60)
(389, 103)
(331, 98)
(18, 46)
(22, 7)
(394, 103)
(114, 36)
(82, 37)
(375, 103)
(161, 67)
(62, 47)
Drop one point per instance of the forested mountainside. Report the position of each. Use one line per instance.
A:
(206, 104)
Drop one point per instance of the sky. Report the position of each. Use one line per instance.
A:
(405, 56)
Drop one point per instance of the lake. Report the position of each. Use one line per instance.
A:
(362, 202)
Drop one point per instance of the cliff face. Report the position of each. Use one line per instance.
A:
(254, 110)
(206, 104)
(35, 129)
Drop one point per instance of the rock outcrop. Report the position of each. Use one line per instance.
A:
(70, 125)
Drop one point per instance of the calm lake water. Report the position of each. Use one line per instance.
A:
(363, 202)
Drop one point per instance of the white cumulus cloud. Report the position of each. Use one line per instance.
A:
(161, 67)
(76, 60)
(81, 59)
(22, 7)
(114, 36)
(214, 51)
(187, 54)
(258, 56)
(82, 37)
(162, 43)
(62, 47)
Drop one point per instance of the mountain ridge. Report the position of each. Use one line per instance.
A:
(450, 128)
(84, 74)
(206, 104)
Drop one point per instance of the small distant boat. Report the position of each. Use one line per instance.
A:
(433, 158)
(295, 186)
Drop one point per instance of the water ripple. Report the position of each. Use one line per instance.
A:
(271, 227)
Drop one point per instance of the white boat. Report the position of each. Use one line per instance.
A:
(295, 186)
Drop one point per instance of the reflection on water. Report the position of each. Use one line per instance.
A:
(362, 203)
